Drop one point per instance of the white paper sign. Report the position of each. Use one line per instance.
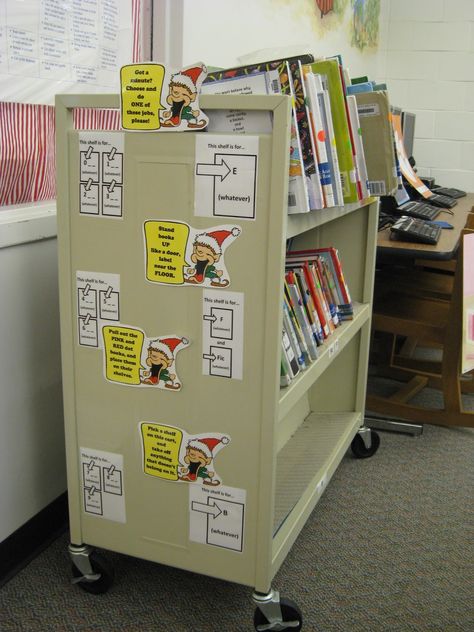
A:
(98, 304)
(53, 46)
(223, 333)
(226, 176)
(101, 174)
(217, 516)
(102, 484)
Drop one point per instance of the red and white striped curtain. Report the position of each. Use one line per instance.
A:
(27, 140)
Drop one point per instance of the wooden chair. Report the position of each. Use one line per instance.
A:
(421, 307)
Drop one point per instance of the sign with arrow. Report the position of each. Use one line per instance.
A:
(223, 333)
(226, 176)
(217, 516)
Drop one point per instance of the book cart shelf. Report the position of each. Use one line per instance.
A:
(285, 444)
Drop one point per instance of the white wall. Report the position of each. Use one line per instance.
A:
(32, 463)
(430, 71)
(218, 33)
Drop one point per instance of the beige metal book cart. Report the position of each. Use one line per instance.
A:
(272, 451)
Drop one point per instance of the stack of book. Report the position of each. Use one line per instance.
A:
(316, 301)
(327, 161)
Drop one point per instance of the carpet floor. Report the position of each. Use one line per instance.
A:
(389, 548)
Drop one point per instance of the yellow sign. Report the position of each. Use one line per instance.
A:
(140, 87)
(161, 446)
(165, 251)
(123, 348)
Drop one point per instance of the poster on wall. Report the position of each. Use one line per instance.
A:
(468, 304)
(51, 46)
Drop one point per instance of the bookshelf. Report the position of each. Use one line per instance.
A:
(285, 444)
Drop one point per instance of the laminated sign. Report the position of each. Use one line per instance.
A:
(177, 254)
(153, 98)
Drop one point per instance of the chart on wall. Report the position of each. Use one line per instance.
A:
(50, 46)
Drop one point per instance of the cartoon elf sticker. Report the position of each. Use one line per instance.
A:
(200, 454)
(207, 251)
(183, 91)
(160, 358)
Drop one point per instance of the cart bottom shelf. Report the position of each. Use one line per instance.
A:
(304, 467)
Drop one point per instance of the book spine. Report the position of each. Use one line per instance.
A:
(294, 321)
(319, 137)
(288, 325)
(298, 193)
(310, 310)
(327, 292)
(304, 131)
(301, 316)
(288, 355)
(285, 379)
(339, 194)
(331, 78)
(359, 145)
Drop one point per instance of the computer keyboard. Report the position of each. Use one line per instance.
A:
(414, 229)
(442, 201)
(419, 209)
(385, 219)
(449, 191)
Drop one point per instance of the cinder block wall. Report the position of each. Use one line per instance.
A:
(430, 71)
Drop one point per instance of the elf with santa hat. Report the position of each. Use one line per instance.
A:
(207, 250)
(160, 358)
(199, 454)
(183, 90)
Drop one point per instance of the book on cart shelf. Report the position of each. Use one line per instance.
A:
(320, 133)
(273, 79)
(328, 69)
(374, 117)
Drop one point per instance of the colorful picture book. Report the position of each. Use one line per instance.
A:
(276, 81)
(316, 301)
(328, 69)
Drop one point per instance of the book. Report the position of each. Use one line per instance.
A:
(289, 328)
(285, 379)
(345, 79)
(238, 120)
(277, 81)
(295, 88)
(328, 69)
(374, 117)
(297, 303)
(333, 276)
(289, 359)
(320, 135)
(319, 300)
(330, 139)
(294, 321)
(329, 288)
(362, 177)
(311, 312)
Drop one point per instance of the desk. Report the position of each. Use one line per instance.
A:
(448, 242)
(418, 303)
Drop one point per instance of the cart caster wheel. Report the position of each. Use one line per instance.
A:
(100, 567)
(360, 450)
(291, 614)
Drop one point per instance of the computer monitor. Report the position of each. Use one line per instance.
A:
(408, 129)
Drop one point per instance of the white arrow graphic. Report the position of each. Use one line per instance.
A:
(211, 318)
(220, 170)
(213, 509)
(209, 356)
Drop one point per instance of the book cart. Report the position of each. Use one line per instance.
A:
(272, 451)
